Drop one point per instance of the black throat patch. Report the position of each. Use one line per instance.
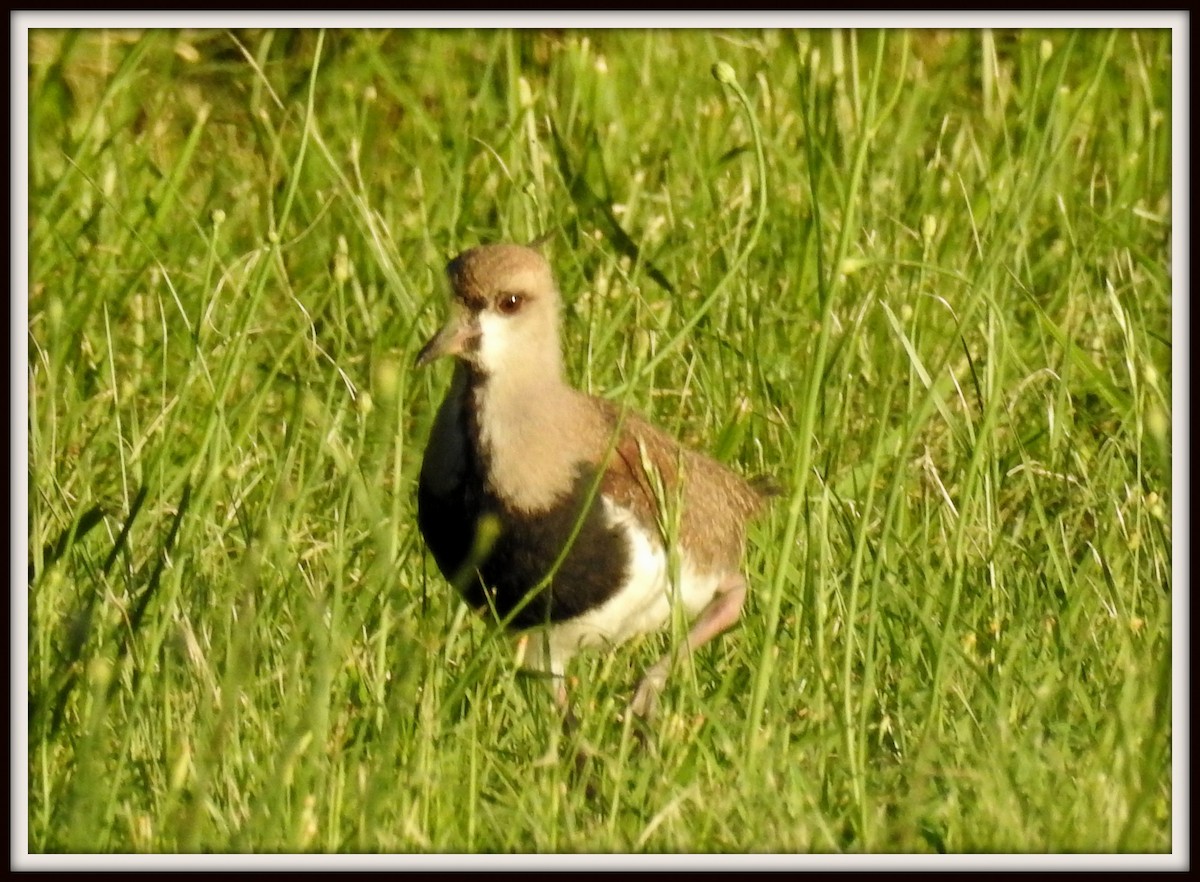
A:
(530, 567)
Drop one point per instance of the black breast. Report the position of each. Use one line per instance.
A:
(517, 567)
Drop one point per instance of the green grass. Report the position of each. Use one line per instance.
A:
(921, 278)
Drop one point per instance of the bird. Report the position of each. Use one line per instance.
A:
(571, 517)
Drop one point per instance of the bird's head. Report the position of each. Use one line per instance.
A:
(503, 312)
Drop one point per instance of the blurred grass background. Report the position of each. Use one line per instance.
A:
(921, 277)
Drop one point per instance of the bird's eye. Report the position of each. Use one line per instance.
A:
(508, 302)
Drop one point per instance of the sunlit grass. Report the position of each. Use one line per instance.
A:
(942, 324)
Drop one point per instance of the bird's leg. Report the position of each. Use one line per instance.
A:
(570, 731)
(570, 728)
(718, 616)
(562, 700)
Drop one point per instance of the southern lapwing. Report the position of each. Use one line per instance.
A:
(571, 517)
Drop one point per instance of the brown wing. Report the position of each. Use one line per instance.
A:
(672, 490)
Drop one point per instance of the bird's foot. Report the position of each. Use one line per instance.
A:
(645, 698)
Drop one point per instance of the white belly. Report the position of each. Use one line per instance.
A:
(642, 605)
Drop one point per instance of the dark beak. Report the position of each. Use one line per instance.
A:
(460, 329)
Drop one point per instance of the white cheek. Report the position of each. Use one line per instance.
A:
(495, 340)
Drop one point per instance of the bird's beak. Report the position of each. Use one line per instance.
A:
(460, 329)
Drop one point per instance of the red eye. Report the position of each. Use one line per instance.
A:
(509, 303)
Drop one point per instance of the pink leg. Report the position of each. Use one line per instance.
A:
(718, 616)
